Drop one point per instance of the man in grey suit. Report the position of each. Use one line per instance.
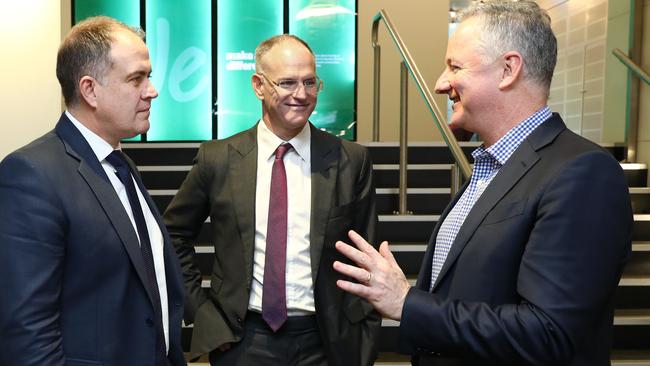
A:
(522, 266)
(278, 195)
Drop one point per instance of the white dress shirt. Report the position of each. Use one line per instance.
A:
(102, 149)
(297, 162)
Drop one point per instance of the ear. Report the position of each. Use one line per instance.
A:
(513, 69)
(256, 82)
(87, 90)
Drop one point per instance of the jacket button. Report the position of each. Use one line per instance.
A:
(149, 322)
(239, 320)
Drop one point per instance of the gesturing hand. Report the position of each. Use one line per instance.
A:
(380, 280)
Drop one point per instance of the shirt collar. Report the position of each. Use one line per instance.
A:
(506, 145)
(268, 142)
(100, 147)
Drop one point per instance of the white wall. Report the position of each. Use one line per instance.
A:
(423, 25)
(30, 100)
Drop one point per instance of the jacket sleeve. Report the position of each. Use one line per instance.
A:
(184, 219)
(366, 225)
(32, 249)
(577, 244)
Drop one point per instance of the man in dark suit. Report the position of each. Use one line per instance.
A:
(523, 264)
(275, 246)
(87, 270)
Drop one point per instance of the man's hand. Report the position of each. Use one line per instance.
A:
(380, 280)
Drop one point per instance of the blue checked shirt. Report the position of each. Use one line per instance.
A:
(487, 162)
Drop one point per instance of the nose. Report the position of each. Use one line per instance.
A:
(442, 84)
(300, 92)
(150, 91)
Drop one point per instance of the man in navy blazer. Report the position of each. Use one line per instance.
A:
(523, 264)
(83, 281)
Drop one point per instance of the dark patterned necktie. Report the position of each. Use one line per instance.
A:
(274, 301)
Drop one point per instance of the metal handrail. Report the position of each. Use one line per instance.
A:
(441, 123)
(636, 69)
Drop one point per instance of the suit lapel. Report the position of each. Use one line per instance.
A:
(521, 161)
(242, 163)
(92, 172)
(324, 170)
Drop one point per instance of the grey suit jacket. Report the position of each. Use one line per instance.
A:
(530, 278)
(221, 185)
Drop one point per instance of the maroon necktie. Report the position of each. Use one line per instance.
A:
(274, 301)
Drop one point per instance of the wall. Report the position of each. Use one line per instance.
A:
(618, 35)
(577, 91)
(423, 26)
(30, 32)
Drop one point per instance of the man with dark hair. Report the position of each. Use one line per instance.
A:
(278, 195)
(522, 266)
(87, 270)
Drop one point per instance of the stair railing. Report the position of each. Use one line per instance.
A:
(408, 66)
(636, 69)
(633, 128)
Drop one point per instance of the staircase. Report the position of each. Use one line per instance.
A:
(164, 166)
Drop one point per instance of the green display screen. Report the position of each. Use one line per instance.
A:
(329, 29)
(126, 11)
(241, 26)
(179, 36)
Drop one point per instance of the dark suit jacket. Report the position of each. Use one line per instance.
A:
(530, 278)
(221, 185)
(71, 273)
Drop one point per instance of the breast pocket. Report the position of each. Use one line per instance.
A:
(505, 211)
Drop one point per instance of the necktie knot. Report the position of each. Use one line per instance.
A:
(118, 161)
(281, 150)
(116, 158)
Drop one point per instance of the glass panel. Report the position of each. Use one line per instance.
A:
(329, 27)
(241, 26)
(179, 40)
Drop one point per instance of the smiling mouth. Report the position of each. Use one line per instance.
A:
(297, 106)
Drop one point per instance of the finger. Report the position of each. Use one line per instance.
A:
(352, 253)
(359, 274)
(353, 288)
(361, 243)
(385, 252)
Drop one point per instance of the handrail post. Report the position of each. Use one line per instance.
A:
(376, 82)
(403, 139)
(456, 179)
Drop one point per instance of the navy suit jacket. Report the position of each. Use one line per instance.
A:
(530, 278)
(71, 273)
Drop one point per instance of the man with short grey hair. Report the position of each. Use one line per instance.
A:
(522, 266)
